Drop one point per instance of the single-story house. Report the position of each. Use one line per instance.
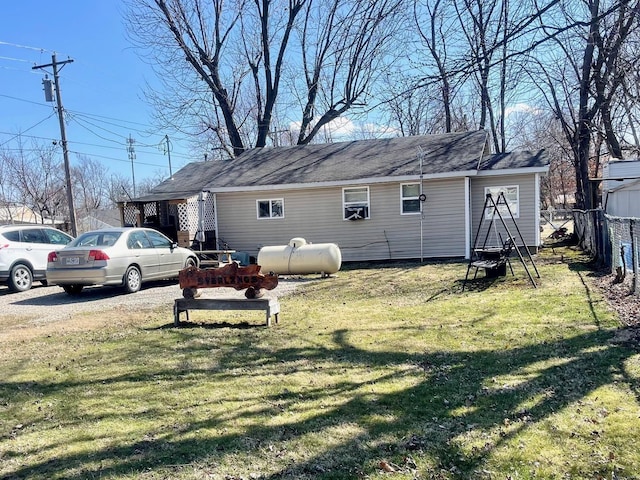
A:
(99, 218)
(621, 188)
(391, 198)
(14, 213)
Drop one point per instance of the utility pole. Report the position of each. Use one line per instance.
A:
(132, 156)
(65, 151)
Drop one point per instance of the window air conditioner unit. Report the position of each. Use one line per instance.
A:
(356, 212)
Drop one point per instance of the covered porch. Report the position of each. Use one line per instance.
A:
(188, 220)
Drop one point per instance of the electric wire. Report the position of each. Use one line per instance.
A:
(37, 49)
(96, 116)
(26, 101)
(79, 122)
(14, 59)
(30, 128)
(136, 162)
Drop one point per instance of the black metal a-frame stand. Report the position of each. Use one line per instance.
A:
(494, 259)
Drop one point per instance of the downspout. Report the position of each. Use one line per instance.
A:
(537, 211)
(215, 218)
(467, 218)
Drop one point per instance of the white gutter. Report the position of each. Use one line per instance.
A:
(536, 202)
(467, 218)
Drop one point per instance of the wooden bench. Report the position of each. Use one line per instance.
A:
(270, 305)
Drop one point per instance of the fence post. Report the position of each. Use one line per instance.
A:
(634, 256)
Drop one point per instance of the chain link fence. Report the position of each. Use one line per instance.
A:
(613, 242)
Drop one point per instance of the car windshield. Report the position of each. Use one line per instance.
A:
(96, 239)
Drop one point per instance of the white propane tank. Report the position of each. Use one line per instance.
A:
(300, 257)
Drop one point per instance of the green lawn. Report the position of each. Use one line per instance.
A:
(389, 371)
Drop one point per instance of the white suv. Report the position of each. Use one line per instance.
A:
(23, 253)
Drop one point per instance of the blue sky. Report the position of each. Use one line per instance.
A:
(102, 90)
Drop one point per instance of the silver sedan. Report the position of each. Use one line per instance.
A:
(117, 256)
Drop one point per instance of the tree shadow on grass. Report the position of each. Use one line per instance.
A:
(424, 419)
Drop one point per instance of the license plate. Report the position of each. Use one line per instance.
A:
(72, 261)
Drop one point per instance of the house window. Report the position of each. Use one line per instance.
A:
(512, 197)
(273, 208)
(355, 202)
(410, 196)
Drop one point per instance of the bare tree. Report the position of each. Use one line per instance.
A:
(435, 24)
(36, 177)
(230, 60)
(581, 86)
(119, 188)
(89, 181)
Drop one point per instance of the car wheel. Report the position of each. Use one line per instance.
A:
(132, 280)
(191, 262)
(44, 283)
(20, 279)
(72, 289)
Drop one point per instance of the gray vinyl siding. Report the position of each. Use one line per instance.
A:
(527, 220)
(317, 216)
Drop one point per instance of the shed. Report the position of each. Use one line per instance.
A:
(621, 188)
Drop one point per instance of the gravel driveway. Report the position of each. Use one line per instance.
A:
(47, 304)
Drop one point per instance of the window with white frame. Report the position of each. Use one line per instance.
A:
(355, 202)
(511, 197)
(410, 198)
(272, 208)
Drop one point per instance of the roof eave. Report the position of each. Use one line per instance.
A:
(342, 183)
(513, 171)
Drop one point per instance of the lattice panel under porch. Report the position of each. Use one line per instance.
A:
(150, 209)
(188, 214)
(129, 213)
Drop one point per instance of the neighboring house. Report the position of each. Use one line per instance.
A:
(96, 219)
(19, 214)
(621, 188)
(362, 195)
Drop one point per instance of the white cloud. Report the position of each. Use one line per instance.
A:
(521, 108)
(343, 128)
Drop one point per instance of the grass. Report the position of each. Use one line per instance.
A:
(385, 371)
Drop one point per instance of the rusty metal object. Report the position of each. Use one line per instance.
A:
(231, 276)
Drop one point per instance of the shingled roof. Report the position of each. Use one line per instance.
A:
(453, 154)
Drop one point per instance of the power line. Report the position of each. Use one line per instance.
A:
(78, 122)
(31, 127)
(118, 159)
(38, 49)
(111, 118)
(77, 113)
(15, 59)
(82, 119)
(84, 114)
(23, 100)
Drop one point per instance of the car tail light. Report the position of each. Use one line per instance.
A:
(97, 255)
(5, 245)
(52, 257)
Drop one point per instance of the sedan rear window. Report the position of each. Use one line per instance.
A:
(96, 239)
(56, 237)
